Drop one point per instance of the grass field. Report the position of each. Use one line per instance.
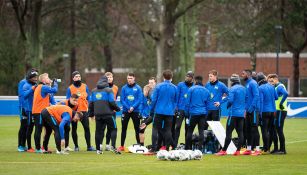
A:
(86, 163)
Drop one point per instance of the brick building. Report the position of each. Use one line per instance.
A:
(227, 63)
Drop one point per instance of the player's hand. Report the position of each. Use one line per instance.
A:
(217, 104)
(63, 143)
(281, 107)
(142, 126)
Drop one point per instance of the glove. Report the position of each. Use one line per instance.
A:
(281, 107)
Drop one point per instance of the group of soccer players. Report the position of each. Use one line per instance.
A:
(262, 102)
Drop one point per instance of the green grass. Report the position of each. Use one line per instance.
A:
(12, 162)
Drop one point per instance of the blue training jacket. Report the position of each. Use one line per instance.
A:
(131, 96)
(182, 95)
(237, 100)
(268, 96)
(28, 94)
(216, 90)
(20, 92)
(197, 101)
(164, 98)
(281, 91)
(65, 121)
(252, 101)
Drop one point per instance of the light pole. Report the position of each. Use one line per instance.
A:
(278, 29)
(66, 69)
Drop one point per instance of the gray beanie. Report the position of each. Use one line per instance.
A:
(235, 78)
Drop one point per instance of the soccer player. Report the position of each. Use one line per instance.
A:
(83, 92)
(43, 97)
(236, 105)
(183, 88)
(114, 88)
(102, 106)
(267, 96)
(196, 110)
(164, 102)
(72, 102)
(281, 113)
(147, 114)
(217, 90)
(28, 94)
(131, 99)
(252, 110)
(22, 134)
(55, 118)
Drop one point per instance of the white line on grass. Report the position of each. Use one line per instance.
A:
(298, 141)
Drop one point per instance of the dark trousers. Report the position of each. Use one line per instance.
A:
(252, 122)
(163, 125)
(86, 127)
(22, 133)
(178, 122)
(50, 125)
(154, 133)
(267, 120)
(101, 123)
(234, 123)
(38, 123)
(213, 115)
(279, 129)
(109, 130)
(136, 123)
(30, 123)
(200, 121)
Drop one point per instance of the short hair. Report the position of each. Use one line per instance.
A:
(74, 96)
(131, 74)
(108, 74)
(167, 74)
(248, 71)
(153, 78)
(198, 79)
(272, 76)
(42, 76)
(213, 72)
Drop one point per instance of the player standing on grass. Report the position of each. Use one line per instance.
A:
(28, 94)
(281, 114)
(43, 97)
(83, 92)
(267, 96)
(164, 102)
(217, 90)
(196, 110)
(131, 99)
(102, 106)
(114, 88)
(252, 114)
(236, 105)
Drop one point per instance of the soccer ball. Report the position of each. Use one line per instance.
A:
(198, 154)
(183, 155)
(163, 155)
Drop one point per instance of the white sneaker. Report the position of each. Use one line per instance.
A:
(99, 152)
(108, 148)
(68, 149)
(62, 152)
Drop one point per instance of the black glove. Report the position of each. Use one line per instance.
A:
(281, 107)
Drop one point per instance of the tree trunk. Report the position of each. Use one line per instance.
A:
(73, 36)
(108, 56)
(34, 46)
(296, 74)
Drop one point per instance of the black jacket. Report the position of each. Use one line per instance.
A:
(102, 100)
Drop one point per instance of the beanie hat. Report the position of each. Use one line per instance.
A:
(31, 73)
(190, 74)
